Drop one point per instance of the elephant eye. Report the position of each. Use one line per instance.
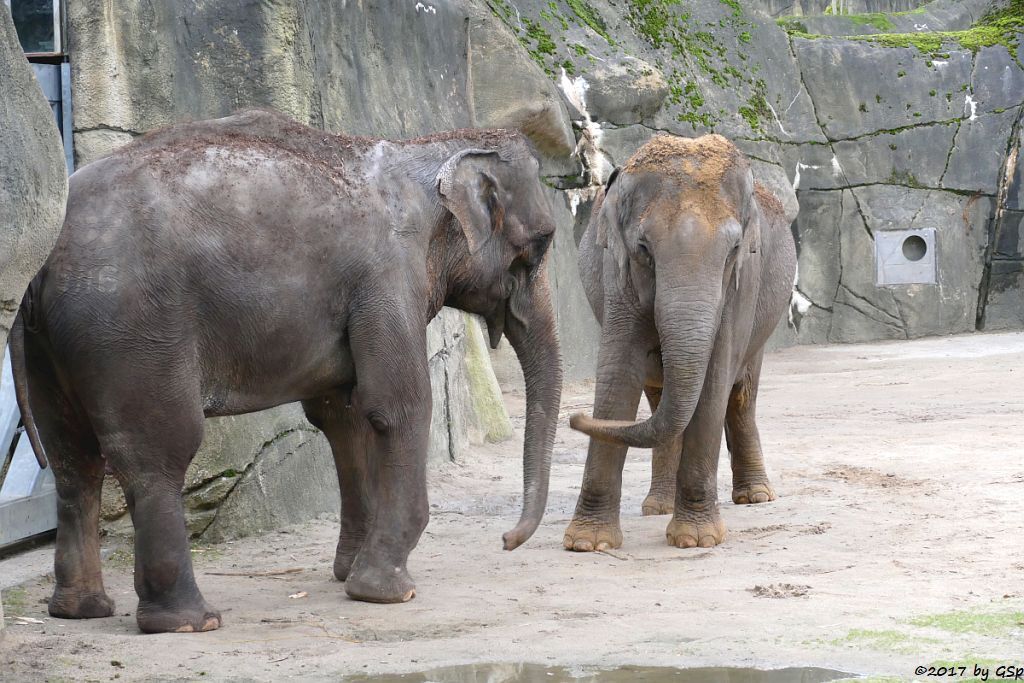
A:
(644, 253)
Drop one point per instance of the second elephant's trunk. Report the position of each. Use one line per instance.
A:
(687, 327)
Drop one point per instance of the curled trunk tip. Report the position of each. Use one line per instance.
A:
(633, 434)
(519, 535)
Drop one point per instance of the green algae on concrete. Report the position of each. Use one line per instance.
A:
(999, 623)
(490, 414)
(15, 600)
(882, 640)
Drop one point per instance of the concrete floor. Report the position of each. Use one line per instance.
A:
(896, 542)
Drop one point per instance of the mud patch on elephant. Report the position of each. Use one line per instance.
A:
(700, 163)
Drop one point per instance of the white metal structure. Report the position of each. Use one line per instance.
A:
(28, 498)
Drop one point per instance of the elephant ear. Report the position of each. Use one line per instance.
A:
(471, 194)
(610, 225)
(602, 225)
(751, 220)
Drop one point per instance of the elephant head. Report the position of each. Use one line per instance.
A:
(678, 223)
(498, 270)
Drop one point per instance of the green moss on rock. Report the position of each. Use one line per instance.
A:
(589, 17)
(1002, 27)
(877, 20)
(757, 107)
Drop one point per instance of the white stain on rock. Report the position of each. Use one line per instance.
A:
(427, 9)
(589, 146)
(800, 166)
(579, 195)
(837, 168)
(799, 304)
(971, 108)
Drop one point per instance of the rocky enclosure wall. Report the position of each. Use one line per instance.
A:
(872, 130)
(33, 176)
(877, 132)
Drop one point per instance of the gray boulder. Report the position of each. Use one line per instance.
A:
(507, 89)
(625, 90)
(33, 176)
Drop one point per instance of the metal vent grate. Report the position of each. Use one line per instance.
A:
(905, 257)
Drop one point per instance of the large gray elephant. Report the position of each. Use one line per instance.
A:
(228, 266)
(689, 266)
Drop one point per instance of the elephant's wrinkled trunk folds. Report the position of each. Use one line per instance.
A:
(530, 328)
(687, 324)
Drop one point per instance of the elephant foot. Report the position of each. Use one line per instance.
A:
(750, 494)
(696, 529)
(67, 603)
(389, 585)
(154, 618)
(659, 503)
(587, 535)
(343, 564)
(344, 556)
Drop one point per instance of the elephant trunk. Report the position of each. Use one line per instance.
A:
(687, 322)
(530, 327)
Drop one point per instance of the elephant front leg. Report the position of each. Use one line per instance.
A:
(749, 479)
(696, 521)
(661, 498)
(349, 433)
(393, 395)
(595, 525)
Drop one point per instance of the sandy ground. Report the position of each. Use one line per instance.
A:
(897, 541)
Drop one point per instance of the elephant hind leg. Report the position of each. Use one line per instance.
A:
(661, 498)
(749, 479)
(74, 456)
(150, 431)
(349, 433)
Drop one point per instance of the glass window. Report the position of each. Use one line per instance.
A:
(36, 22)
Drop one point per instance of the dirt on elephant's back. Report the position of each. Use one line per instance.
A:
(698, 165)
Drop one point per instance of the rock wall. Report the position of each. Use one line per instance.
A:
(876, 130)
(33, 176)
(813, 7)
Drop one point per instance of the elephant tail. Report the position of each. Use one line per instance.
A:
(20, 371)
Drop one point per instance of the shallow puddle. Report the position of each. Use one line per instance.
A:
(536, 673)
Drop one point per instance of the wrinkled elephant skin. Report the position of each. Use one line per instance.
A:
(688, 264)
(228, 266)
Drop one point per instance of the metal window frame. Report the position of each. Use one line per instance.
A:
(58, 31)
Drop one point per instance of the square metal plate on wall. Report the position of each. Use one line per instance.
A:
(906, 257)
